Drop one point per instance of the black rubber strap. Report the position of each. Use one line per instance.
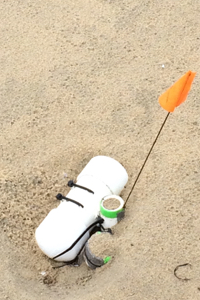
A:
(71, 184)
(61, 197)
(96, 266)
(98, 221)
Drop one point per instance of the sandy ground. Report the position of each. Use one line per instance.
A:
(79, 79)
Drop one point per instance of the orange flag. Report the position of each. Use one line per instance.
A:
(177, 93)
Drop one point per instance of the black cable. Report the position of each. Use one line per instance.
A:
(98, 221)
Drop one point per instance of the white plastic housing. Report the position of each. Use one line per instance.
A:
(64, 224)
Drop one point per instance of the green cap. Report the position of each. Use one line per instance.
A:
(111, 214)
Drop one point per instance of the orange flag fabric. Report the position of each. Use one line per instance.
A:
(177, 93)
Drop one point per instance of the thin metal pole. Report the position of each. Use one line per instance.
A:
(146, 159)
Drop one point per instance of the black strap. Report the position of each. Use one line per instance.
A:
(71, 184)
(94, 265)
(61, 197)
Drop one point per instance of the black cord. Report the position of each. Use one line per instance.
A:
(98, 221)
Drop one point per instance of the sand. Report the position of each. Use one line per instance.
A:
(102, 245)
(79, 79)
(111, 204)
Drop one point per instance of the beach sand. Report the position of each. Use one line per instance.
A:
(80, 79)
